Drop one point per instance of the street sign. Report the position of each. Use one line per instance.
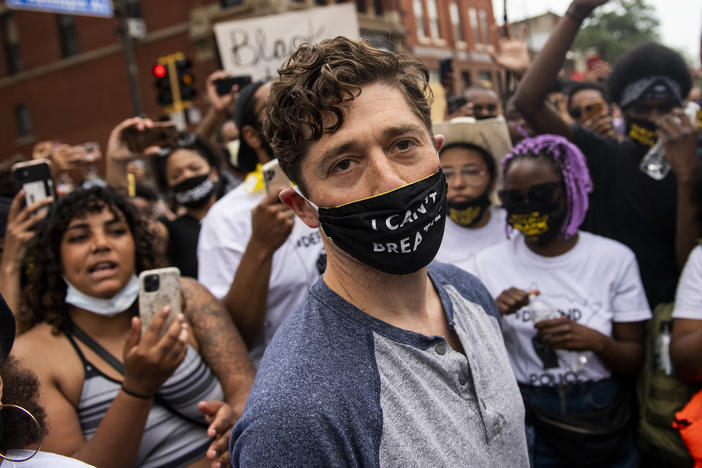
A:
(102, 8)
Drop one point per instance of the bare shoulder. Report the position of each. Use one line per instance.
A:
(41, 347)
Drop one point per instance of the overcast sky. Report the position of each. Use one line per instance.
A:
(681, 20)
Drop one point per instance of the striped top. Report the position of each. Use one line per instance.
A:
(176, 432)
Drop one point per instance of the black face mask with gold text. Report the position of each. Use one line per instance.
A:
(642, 133)
(539, 222)
(468, 214)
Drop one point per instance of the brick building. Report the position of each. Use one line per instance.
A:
(65, 77)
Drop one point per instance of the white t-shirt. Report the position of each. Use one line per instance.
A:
(460, 245)
(225, 233)
(41, 460)
(688, 299)
(595, 284)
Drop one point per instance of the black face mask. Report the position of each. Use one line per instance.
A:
(398, 232)
(194, 192)
(641, 132)
(539, 222)
(468, 214)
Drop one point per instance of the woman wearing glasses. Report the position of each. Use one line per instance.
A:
(573, 309)
(189, 172)
(468, 160)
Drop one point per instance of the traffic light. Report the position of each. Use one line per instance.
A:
(162, 82)
(185, 79)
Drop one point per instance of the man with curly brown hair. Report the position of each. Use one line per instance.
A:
(390, 359)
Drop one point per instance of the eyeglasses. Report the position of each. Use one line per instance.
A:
(471, 176)
(541, 193)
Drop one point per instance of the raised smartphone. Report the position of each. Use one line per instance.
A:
(273, 177)
(224, 85)
(35, 178)
(161, 134)
(157, 289)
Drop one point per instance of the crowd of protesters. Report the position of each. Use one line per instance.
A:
(517, 285)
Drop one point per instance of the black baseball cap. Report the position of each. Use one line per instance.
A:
(7, 329)
(244, 115)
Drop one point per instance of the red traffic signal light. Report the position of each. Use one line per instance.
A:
(159, 71)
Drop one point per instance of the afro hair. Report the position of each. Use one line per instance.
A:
(644, 60)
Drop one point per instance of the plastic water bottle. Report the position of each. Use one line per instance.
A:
(662, 349)
(653, 163)
(574, 361)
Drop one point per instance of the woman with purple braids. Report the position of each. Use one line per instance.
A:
(573, 309)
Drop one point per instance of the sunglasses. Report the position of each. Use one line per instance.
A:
(588, 111)
(541, 193)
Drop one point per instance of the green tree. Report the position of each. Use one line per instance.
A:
(618, 26)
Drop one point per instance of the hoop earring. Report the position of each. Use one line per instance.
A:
(36, 423)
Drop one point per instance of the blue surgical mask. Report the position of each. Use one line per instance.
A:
(107, 307)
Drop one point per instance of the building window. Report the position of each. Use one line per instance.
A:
(10, 42)
(456, 22)
(485, 77)
(418, 7)
(361, 6)
(378, 7)
(473, 16)
(67, 35)
(484, 27)
(23, 121)
(434, 19)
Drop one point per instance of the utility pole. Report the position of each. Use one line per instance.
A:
(127, 49)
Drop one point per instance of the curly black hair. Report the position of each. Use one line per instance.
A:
(46, 290)
(21, 388)
(647, 59)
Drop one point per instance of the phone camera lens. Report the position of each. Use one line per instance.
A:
(151, 283)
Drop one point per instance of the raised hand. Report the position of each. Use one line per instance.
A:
(149, 360)
(272, 223)
(514, 55)
(222, 104)
(117, 149)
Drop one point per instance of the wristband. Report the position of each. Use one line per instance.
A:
(135, 394)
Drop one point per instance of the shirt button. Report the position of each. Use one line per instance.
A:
(462, 379)
(441, 348)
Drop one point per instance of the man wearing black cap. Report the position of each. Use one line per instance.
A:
(253, 253)
(652, 216)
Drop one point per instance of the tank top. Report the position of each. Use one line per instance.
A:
(176, 432)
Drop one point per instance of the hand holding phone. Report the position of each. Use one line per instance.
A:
(157, 289)
(224, 85)
(35, 178)
(159, 134)
(274, 178)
